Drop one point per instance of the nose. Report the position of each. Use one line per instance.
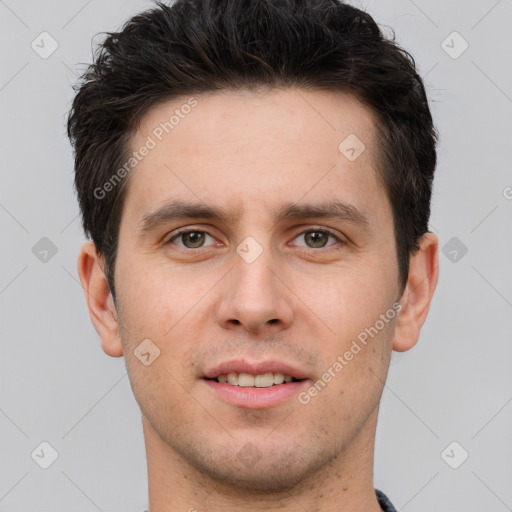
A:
(255, 297)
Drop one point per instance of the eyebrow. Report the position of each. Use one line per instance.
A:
(181, 210)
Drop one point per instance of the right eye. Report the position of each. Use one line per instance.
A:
(190, 238)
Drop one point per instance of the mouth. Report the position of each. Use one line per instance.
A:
(262, 380)
(255, 385)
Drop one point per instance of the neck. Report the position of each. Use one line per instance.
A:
(344, 483)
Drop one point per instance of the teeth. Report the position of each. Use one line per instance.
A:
(278, 378)
(264, 380)
(245, 380)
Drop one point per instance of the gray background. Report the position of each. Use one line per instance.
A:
(57, 385)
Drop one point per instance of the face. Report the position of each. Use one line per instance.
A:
(288, 268)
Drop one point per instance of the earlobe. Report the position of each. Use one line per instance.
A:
(99, 299)
(417, 297)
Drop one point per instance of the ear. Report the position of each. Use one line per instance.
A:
(99, 299)
(416, 299)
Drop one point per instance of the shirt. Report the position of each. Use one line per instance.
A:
(384, 502)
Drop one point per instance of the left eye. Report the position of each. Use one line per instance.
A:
(195, 239)
(317, 237)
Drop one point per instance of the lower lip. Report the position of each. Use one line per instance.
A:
(256, 398)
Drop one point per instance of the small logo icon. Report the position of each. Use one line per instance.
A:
(44, 250)
(352, 147)
(249, 249)
(146, 352)
(44, 455)
(454, 455)
(249, 455)
(454, 249)
(454, 45)
(44, 45)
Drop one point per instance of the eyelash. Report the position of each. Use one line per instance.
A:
(307, 249)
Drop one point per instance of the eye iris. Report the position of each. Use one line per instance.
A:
(314, 235)
(196, 238)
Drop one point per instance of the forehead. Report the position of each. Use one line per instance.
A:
(240, 147)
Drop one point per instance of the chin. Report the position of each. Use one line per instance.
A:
(258, 470)
(259, 479)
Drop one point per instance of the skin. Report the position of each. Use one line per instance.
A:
(302, 301)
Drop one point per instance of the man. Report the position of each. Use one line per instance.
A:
(256, 181)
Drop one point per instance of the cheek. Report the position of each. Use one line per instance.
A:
(161, 306)
(355, 363)
(155, 297)
(352, 299)
(361, 319)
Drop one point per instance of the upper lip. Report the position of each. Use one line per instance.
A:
(254, 368)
